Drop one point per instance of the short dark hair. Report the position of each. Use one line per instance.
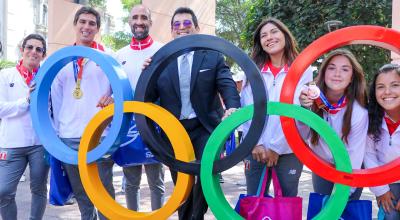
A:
(88, 10)
(185, 10)
(36, 37)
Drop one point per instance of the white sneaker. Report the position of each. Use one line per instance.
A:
(23, 178)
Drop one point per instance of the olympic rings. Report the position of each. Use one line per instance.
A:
(40, 98)
(365, 34)
(94, 188)
(212, 189)
(148, 80)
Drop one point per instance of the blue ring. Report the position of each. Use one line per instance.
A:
(40, 103)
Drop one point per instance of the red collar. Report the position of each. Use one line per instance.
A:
(142, 44)
(25, 73)
(95, 45)
(274, 70)
(392, 126)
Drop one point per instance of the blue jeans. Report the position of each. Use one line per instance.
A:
(11, 170)
(325, 187)
(288, 169)
(86, 207)
(155, 179)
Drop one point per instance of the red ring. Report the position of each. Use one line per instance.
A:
(364, 34)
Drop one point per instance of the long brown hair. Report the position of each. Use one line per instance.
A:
(259, 56)
(357, 90)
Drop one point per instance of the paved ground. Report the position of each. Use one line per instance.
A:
(233, 186)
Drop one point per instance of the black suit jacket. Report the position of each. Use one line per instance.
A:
(210, 76)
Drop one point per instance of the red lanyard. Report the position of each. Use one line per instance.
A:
(25, 73)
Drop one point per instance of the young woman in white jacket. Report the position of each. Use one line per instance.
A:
(383, 144)
(274, 51)
(342, 104)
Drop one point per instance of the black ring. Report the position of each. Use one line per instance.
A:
(148, 80)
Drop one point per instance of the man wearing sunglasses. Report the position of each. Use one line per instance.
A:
(131, 58)
(19, 144)
(78, 92)
(189, 88)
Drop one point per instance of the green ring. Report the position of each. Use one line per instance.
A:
(212, 189)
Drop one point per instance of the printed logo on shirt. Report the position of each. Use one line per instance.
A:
(11, 84)
(3, 155)
(292, 172)
(246, 164)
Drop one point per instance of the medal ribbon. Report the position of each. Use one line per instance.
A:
(78, 64)
(141, 44)
(25, 73)
(332, 109)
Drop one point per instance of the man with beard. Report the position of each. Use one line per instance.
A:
(131, 58)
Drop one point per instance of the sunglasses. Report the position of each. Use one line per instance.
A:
(37, 49)
(186, 24)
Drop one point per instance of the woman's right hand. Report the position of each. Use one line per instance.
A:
(305, 101)
(259, 153)
(386, 201)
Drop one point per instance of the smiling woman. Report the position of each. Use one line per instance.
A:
(274, 51)
(384, 137)
(341, 103)
(19, 144)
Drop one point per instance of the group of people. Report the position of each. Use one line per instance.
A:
(193, 88)
(368, 126)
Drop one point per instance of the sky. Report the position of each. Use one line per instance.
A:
(114, 8)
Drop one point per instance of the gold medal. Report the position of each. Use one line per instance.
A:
(77, 93)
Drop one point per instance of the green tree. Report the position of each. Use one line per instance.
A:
(117, 40)
(306, 20)
(6, 64)
(230, 16)
(97, 3)
(120, 39)
(128, 4)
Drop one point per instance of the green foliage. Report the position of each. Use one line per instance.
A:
(306, 20)
(6, 64)
(230, 16)
(98, 3)
(128, 4)
(117, 40)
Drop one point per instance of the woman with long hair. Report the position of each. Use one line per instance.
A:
(341, 103)
(383, 143)
(274, 50)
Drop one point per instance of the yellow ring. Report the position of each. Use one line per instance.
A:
(89, 174)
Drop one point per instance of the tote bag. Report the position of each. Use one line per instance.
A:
(355, 209)
(264, 208)
(60, 187)
(133, 151)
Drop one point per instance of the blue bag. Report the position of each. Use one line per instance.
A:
(230, 144)
(355, 209)
(60, 188)
(133, 151)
